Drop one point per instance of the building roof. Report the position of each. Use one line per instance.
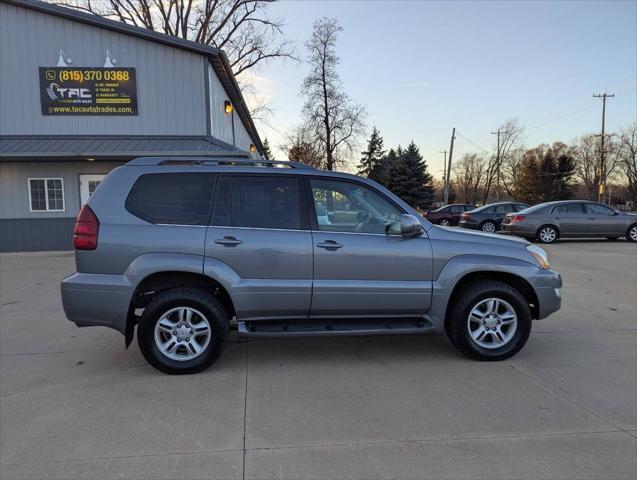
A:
(100, 147)
(216, 56)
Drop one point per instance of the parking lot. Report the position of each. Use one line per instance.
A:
(76, 404)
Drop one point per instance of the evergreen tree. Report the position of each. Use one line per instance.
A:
(546, 174)
(267, 153)
(409, 178)
(371, 157)
(380, 172)
(528, 178)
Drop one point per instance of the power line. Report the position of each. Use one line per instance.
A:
(602, 167)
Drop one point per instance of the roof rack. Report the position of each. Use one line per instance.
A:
(229, 159)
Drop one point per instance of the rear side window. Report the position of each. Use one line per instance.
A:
(504, 208)
(259, 202)
(568, 208)
(172, 198)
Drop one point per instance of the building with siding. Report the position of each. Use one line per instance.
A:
(81, 95)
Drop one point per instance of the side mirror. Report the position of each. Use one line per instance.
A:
(407, 226)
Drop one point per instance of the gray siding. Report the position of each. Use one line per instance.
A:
(241, 136)
(14, 187)
(220, 122)
(36, 234)
(170, 81)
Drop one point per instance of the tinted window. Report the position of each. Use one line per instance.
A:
(172, 198)
(258, 202)
(568, 208)
(456, 209)
(352, 207)
(597, 208)
(505, 208)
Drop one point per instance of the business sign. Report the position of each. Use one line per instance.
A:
(88, 91)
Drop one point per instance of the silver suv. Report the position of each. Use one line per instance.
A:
(188, 248)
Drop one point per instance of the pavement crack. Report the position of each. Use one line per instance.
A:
(565, 397)
(245, 413)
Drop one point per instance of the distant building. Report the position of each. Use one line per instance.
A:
(81, 95)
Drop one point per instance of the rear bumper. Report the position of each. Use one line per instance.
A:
(517, 229)
(547, 285)
(470, 225)
(97, 300)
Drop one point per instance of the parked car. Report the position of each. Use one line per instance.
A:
(547, 222)
(185, 248)
(488, 218)
(449, 214)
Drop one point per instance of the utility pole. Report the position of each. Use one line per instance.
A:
(497, 167)
(602, 165)
(444, 171)
(453, 137)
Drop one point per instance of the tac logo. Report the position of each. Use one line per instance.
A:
(56, 92)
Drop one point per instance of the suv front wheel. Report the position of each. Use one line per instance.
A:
(183, 330)
(489, 320)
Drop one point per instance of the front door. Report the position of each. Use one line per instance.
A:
(260, 239)
(88, 184)
(603, 220)
(359, 271)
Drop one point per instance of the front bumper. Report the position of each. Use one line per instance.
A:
(547, 285)
(97, 300)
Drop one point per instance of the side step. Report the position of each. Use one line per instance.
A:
(334, 328)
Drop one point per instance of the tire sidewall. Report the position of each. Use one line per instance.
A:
(628, 237)
(514, 345)
(146, 336)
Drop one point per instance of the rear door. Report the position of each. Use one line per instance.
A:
(603, 220)
(359, 271)
(455, 211)
(260, 230)
(570, 219)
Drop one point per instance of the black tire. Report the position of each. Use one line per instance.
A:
(485, 226)
(444, 222)
(538, 235)
(631, 236)
(457, 328)
(199, 299)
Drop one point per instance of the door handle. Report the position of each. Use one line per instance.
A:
(329, 244)
(228, 241)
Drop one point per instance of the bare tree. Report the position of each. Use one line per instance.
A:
(510, 139)
(301, 145)
(586, 150)
(510, 170)
(470, 174)
(241, 28)
(336, 121)
(627, 154)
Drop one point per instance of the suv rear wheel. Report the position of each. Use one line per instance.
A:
(490, 320)
(183, 330)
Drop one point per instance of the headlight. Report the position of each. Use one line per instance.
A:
(539, 255)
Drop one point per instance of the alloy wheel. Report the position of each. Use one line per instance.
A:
(492, 323)
(182, 333)
(633, 233)
(488, 227)
(444, 222)
(548, 234)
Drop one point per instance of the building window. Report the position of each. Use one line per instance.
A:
(46, 194)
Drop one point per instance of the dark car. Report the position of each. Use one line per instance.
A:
(488, 218)
(549, 221)
(449, 214)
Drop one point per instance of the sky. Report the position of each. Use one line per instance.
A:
(424, 67)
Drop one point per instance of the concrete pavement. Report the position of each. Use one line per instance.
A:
(75, 404)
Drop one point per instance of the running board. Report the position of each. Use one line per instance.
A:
(334, 328)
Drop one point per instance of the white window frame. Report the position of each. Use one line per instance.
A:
(46, 194)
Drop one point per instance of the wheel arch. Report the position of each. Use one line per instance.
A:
(516, 281)
(161, 281)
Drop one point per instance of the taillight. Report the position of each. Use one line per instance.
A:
(87, 227)
(517, 218)
(465, 216)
